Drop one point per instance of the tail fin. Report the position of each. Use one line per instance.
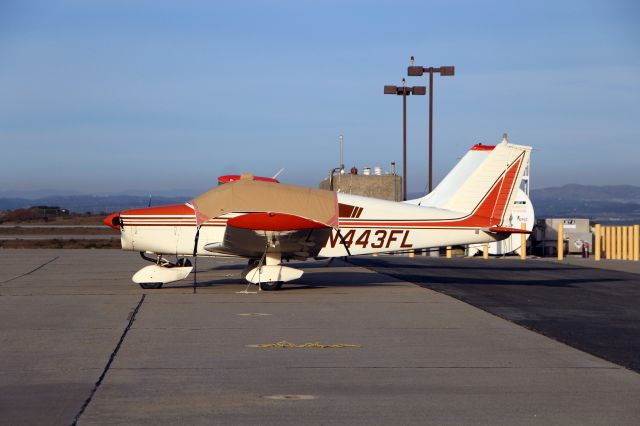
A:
(483, 183)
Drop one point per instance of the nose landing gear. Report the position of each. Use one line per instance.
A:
(162, 272)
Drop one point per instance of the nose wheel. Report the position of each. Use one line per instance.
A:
(161, 272)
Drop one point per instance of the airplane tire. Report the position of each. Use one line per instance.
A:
(270, 286)
(150, 286)
(183, 262)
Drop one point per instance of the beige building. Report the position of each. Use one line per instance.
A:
(385, 187)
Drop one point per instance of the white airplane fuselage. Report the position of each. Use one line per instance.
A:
(374, 226)
(472, 205)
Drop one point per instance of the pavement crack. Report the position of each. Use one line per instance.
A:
(30, 272)
(112, 357)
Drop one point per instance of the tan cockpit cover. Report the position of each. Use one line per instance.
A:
(267, 197)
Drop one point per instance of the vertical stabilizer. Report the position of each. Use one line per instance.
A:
(483, 183)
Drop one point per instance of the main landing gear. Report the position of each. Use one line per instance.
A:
(269, 273)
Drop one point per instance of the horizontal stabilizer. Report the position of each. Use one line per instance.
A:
(503, 230)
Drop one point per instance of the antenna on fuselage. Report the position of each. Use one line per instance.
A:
(278, 174)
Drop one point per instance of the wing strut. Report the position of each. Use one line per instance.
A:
(346, 247)
(260, 263)
(195, 257)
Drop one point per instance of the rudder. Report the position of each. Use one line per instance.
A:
(483, 183)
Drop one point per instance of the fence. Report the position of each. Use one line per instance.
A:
(617, 242)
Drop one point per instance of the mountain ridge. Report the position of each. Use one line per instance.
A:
(602, 203)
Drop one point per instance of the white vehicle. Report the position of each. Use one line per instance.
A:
(268, 222)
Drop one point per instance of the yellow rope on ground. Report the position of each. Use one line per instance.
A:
(311, 345)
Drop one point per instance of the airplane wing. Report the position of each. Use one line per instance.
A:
(251, 234)
(285, 220)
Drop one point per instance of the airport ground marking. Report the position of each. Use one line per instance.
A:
(309, 345)
(290, 397)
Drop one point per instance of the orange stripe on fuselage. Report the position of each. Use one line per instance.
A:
(488, 213)
(174, 210)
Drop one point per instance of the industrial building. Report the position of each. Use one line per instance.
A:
(577, 232)
(377, 185)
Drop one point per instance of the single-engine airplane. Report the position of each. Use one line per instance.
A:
(267, 222)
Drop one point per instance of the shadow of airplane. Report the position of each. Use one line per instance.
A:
(308, 281)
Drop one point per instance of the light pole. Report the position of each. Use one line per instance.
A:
(341, 162)
(404, 92)
(416, 71)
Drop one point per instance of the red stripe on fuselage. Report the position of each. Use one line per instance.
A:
(174, 210)
(488, 212)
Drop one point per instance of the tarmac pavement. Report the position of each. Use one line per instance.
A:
(632, 267)
(593, 306)
(178, 357)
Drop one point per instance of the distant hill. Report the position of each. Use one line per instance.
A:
(604, 204)
(611, 203)
(614, 203)
(607, 193)
(90, 203)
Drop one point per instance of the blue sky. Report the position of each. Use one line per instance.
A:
(163, 97)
